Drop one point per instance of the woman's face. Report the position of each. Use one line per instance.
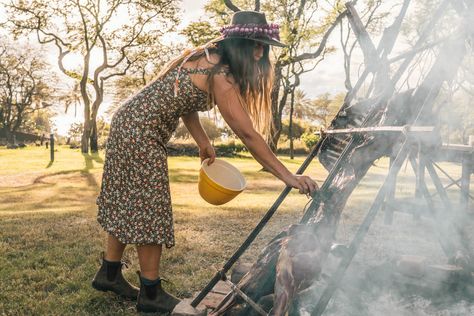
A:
(258, 51)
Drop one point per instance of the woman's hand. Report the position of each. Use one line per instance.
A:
(207, 151)
(304, 184)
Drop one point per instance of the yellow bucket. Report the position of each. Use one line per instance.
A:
(220, 182)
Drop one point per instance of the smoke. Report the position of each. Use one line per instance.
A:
(382, 280)
(422, 263)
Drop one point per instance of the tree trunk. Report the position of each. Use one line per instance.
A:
(290, 125)
(87, 105)
(275, 136)
(93, 136)
(8, 135)
(85, 137)
(276, 118)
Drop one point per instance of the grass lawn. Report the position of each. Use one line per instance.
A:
(50, 241)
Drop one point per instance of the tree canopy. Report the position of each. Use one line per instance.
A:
(23, 85)
(112, 33)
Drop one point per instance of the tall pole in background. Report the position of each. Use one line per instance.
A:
(51, 143)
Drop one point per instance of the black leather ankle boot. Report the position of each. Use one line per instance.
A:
(153, 298)
(110, 278)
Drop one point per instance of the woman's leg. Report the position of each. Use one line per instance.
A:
(114, 250)
(149, 258)
(109, 277)
(152, 297)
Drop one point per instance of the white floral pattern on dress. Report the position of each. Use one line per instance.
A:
(134, 201)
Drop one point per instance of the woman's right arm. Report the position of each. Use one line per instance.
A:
(227, 100)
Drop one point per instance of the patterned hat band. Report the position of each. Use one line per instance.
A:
(252, 31)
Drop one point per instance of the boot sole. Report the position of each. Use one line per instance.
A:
(106, 289)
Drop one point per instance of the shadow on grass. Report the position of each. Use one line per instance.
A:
(43, 179)
(40, 179)
(49, 164)
(89, 158)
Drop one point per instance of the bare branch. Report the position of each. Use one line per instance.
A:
(257, 5)
(300, 8)
(231, 6)
(322, 45)
(121, 73)
(84, 26)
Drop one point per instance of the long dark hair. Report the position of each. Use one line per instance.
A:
(254, 79)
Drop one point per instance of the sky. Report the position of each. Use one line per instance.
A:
(328, 77)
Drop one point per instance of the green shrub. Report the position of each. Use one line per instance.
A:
(229, 149)
(309, 139)
(299, 127)
(212, 131)
(299, 148)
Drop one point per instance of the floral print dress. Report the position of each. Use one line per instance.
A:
(134, 202)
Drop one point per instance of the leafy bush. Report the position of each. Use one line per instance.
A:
(230, 149)
(212, 131)
(299, 127)
(310, 139)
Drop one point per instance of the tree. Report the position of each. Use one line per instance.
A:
(306, 39)
(72, 97)
(199, 33)
(94, 29)
(212, 131)
(326, 107)
(103, 130)
(302, 107)
(38, 122)
(75, 131)
(297, 101)
(455, 111)
(146, 67)
(23, 87)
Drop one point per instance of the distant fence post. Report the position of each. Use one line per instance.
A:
(51, 146)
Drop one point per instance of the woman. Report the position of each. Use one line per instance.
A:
(233, 72)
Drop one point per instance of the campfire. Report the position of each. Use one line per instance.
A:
(386, 122)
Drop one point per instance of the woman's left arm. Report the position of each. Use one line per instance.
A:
(192, 123)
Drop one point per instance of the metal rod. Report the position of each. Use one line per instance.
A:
(420, 177)
(466, 170)
(439, 186)
(375, 129)
(247, 299)
(456, 182)
(361, 232)
(447, 203)
(453, 181)
(389, 198)
(219, 275)
(446, 244)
